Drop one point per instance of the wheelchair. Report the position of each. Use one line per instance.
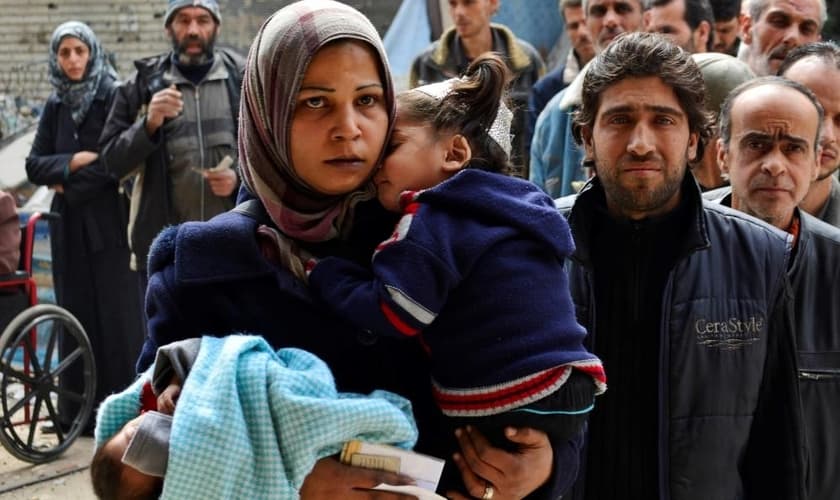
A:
(42, 348)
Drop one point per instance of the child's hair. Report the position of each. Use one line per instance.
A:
(469, 109)
(106, 471)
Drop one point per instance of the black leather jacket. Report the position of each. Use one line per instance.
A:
(815, 277)
(730, 425)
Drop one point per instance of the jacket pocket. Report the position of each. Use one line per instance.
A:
(819, 366)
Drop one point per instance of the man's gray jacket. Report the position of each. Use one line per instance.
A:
(126, 148)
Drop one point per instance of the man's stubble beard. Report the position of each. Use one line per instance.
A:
(649, 200)
(193, 60)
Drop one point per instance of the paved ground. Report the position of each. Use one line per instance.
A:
(66, 478)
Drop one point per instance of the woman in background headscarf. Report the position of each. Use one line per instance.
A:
(89, 250)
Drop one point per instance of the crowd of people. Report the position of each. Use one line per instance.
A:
(661, 210)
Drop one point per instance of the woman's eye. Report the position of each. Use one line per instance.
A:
(314, 102)
(367, 100)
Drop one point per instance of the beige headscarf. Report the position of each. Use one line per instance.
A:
(277, 61)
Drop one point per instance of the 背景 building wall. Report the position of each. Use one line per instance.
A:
(129, 29)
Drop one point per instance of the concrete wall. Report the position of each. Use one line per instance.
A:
(129, 28)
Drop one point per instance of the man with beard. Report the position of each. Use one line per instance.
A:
(172, 128)
(727, 26)
(772, 28)
(771, 153)
(687, 23)
(817, 66)
(686, 303)
(556, 162)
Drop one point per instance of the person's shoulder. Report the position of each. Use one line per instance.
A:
(221, 237)
(521, 54)
(552, 82)
(150, 63)
(427, 56)
(233, 58)
(553, 112)
(720, 216)
(107, 87)
(819, 229)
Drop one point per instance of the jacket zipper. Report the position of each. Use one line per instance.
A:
(200, 144)
(819, 375)
(664, 367)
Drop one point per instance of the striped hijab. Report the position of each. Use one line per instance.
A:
(277, 61)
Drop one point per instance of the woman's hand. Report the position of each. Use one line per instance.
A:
(82, 159)
(331, 479)
(510, 475)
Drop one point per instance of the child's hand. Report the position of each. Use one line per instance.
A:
(168, 399)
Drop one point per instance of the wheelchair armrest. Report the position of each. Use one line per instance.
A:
(15, 276)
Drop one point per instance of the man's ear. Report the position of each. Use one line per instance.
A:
(586, 138)
(702, 34)
(693, 140)
(723, 157)
(816, 169)
(746, 28)
(458, 153)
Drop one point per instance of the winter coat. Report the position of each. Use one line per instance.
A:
(89, 248)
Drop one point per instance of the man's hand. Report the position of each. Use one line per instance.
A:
(222, 182)
(330, 479)
(166, 103)
(82, 159)
(511, 475)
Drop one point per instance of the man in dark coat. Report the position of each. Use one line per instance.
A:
(770, 154)
(173, 126)
(472, 35)
(687, 304)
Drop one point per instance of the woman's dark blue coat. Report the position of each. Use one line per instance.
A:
(210, 278)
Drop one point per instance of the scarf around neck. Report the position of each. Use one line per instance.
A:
(277, 62)
(79, 95)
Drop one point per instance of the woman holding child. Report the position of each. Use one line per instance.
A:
(316, 113)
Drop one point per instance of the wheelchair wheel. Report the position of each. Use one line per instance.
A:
(41, 350)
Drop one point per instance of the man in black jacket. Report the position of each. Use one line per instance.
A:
(172, 128)
(771, 153)
(687, 303)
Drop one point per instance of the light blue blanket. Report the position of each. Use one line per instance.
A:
(251, 422)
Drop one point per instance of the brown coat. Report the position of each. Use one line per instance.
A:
(9, 234)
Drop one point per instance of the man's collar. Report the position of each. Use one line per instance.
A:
(218, 71)
(592, 199)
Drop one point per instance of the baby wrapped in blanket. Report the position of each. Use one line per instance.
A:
(249, 423)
